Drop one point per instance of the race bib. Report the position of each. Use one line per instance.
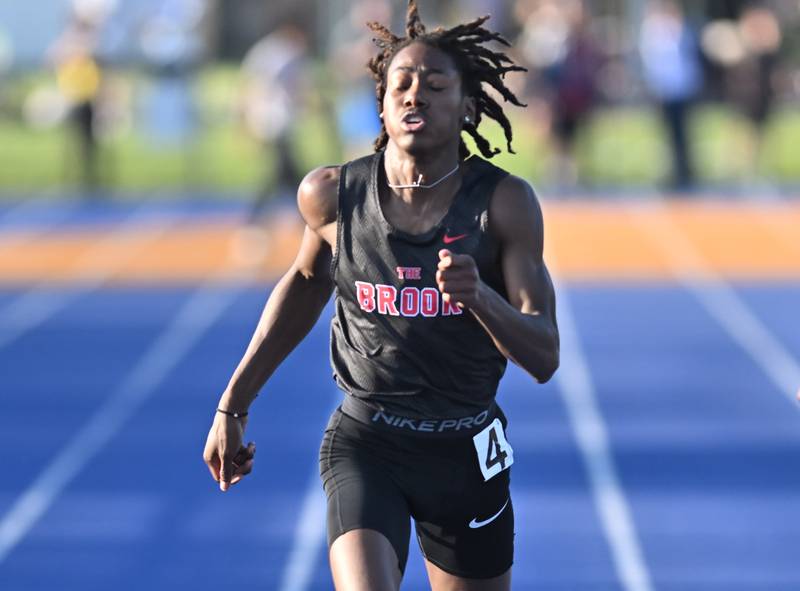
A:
(494, 452)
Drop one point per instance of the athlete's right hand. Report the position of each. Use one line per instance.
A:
(227, 458)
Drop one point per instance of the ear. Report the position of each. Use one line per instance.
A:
(469, 108)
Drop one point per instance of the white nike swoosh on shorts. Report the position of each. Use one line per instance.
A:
(475, 524)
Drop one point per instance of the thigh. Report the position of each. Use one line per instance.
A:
(471, 534)
(364, 559)
(475, 538)
(443, 581)
(362, 497)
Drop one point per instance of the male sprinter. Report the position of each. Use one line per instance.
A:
(436, 262)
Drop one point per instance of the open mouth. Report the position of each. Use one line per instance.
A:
(413, 122)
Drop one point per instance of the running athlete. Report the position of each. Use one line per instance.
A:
(435, 259)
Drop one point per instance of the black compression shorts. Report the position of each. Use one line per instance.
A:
(378, 477)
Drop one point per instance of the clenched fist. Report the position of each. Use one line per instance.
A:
(458, 279)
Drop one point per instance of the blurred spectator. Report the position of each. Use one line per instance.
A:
(557, 41)
(673, 74)
(172, 45)
(79, 76)
(751, 82)
(500, 11)
(356, 109)
(575, 81)
(276, 86)
(6, 53)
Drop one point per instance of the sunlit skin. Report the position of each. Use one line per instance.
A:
(424, 80)
(423, 112)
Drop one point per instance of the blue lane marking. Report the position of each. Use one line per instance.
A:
(9, 294)
(24, 213)
(100, 214)
(156, 460)
(708, 453)
(53, 377)
(556, 521)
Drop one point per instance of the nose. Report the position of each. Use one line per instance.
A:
(414, 96)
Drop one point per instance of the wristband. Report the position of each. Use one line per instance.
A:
(235, 415)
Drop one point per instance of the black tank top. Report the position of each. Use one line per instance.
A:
(395, 344)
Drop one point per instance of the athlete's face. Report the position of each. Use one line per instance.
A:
(424, 105)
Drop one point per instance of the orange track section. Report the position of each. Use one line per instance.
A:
(618, 240)
(595, 241)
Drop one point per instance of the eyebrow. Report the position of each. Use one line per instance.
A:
(414, 69)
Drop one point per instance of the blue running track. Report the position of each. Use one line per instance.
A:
(704, 448)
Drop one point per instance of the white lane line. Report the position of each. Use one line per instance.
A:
(36, 305)
(575, 382)
(309, 534)
(191, 322)
(720, 301)
(308, 540)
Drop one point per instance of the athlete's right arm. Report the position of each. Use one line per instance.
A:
(297, 301)
(291, 311)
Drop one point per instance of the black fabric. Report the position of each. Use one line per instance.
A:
(443, 427)
(437, 366)
(378, 480)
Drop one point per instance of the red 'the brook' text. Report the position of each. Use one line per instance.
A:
(409, 301)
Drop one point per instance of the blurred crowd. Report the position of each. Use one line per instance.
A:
(582, 57)
(660, 53)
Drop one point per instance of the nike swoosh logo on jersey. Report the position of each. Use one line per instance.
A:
(475, 524)
(448, 239)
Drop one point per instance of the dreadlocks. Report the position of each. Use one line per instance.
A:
(476, 63)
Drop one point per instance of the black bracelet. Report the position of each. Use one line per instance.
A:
(235, 415)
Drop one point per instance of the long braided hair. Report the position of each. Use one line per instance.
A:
(476, 63)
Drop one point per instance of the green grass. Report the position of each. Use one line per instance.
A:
(781, 158)
(620, 146)
(31, 159)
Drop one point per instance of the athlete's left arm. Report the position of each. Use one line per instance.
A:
(523, 327)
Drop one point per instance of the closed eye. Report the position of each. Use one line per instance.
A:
(438, 83)
(401, 82)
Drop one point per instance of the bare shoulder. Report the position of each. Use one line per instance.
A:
(515, 209)
(318, 196)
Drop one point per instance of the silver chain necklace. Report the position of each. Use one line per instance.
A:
(418, 184)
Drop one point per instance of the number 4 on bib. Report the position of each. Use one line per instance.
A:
(493, 451)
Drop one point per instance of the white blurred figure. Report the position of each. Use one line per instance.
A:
(6, 52)
(276, 86)
(276, 89)
(173, 47)
(673, 74)
(356, 109)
